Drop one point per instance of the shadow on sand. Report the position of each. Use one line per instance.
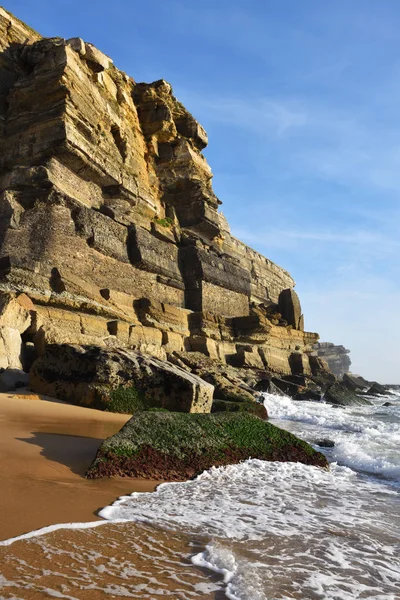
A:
(73, 451)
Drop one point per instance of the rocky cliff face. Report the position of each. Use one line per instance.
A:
(336, 357)
(109, 224)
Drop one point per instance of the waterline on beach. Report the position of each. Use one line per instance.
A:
(253, 531)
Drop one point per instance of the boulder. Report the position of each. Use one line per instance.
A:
(287, 387)
(339, 394)
(272, 388)
(290, 308)
(355, 382)
(12, 379)
(175, 447)
(325, 443)
(310, 395)
(15, 319)
(15, 311)
(78, 45)
(101, 61)
(377, 389)
(11, 348)
(254, 408)
(320, 369)
(248, 357)
(227, 390)
(117, 380)
(228, 386)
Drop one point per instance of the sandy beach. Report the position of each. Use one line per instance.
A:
(46, 446)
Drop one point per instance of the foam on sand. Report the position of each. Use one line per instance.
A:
(288, 524)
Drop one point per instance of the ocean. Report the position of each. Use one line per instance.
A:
(253, 531)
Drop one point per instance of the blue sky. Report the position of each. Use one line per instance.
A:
(301, 101)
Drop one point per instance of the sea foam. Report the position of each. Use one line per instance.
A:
(282, 530)
(366, 438)
(284, 526)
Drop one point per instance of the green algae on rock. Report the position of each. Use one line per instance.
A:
(254, 408)
(118, 380)
(178, 446)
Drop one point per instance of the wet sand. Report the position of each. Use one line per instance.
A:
(45, 447)
(133, 560)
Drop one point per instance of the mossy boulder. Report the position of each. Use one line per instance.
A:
(127, 400)
(254, 408)
(177, 446)
(118, 380)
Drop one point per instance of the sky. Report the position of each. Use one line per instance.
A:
(301, 102)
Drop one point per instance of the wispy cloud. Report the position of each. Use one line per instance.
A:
(310, 174)
(347, 145)
(367, 241)
(261, 116)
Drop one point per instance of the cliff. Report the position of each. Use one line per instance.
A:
(336, 357)
(110, 233)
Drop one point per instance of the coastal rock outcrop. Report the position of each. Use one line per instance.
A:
(175, 446)
(117, 380)
(15, 319)
(336, 357)
(341, 395)
(109, 224)
(376, 389)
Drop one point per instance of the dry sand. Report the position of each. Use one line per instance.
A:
(45, 447)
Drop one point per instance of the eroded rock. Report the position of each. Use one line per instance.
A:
(336, 356)
(377, 389)
(173, 447)
(110, 225)
(12, 379)
(117, 380)
(290, 308)
(339, 394)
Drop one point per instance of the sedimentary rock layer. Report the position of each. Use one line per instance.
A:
(109, 223)
(336, 357)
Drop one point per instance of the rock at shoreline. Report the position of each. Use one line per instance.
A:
(227, 380)
(377, 389)
(176, 446)
(340, 395)
(117, 380)
(12, 379)
(254, 408)
(268, 386)
(355, 382)
(325, 443)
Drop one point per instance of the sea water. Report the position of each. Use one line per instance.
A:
(254, 531)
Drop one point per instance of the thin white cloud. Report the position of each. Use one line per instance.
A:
(263, 116)
(323, 125)
(339, 145)
(368, 241)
